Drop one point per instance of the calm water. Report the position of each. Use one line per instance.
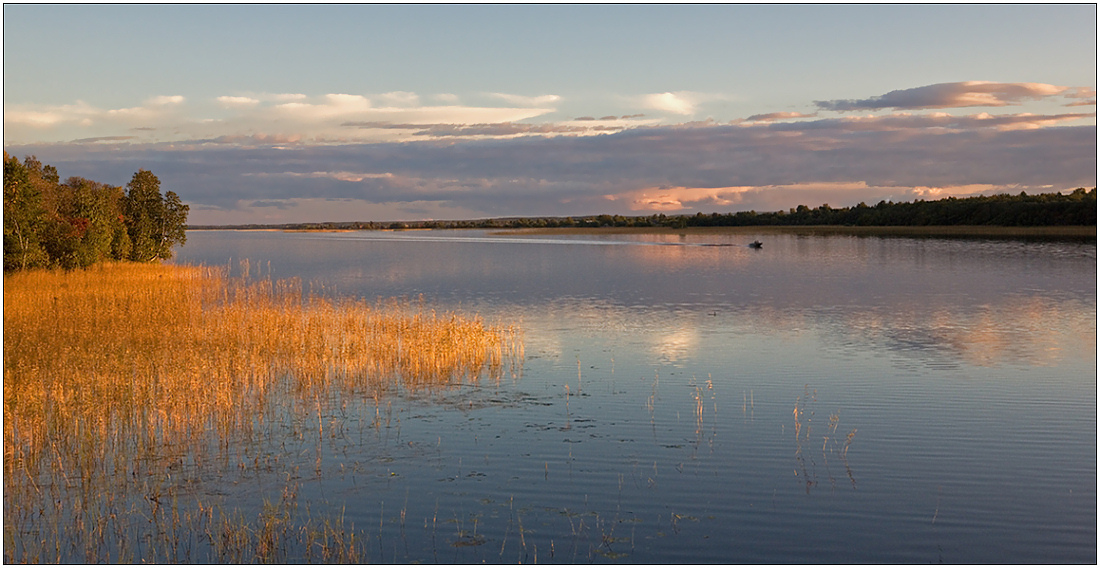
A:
(824, 399)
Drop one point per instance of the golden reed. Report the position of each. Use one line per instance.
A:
(109, 370)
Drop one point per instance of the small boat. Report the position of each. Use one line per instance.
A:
(756, 244)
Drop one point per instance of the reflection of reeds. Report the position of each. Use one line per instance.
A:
(567, 423)
(700, 410)
(801, 405)
(124, 368)
(848, 442)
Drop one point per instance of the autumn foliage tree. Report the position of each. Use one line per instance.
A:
(80, 222)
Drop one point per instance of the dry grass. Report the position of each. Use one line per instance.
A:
(125, 368)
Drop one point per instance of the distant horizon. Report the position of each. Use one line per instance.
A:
(276, 114)
(587, 215)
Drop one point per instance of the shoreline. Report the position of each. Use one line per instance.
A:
(1067, 231)
(1051, 231)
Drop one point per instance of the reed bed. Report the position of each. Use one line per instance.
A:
(122, 369)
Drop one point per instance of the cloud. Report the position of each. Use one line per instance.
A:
(778, 116)
(328, 107)
(942, 121)
(231, 102)
(765, 165)
(679, 198)
(153, 109)
(282, 204)
(83, 113)
(314, 209)
(252, 118)
(284, 97)
(46, 116)
(291, 157)
(102, 139)
(165, 100)
(498, 129)
(523, 101)
(247, 140)
(682, 103)
(348, 101)
(676, 103)
(80, 119)
(949, 95)
(1087, 93)
(780, 197)
(400, 98)
(326, 119)
(340, 176)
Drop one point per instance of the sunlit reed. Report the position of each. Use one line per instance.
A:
(123, 369)
(803, 419)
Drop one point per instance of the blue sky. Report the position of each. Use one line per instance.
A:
(287, 113)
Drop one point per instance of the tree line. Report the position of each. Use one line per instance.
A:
(1022, 210)
(79, 222)
(1003, 210)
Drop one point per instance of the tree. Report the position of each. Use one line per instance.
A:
(141, 208)
(81, 222)
(23, 218)
(154, 223)
(94, 210)
(174, 228)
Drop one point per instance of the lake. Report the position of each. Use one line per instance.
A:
(688, 399)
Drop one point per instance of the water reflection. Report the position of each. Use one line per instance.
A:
(820, 400)
(1018, 330)
(677, 345)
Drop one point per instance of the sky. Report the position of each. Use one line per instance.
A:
(306, 113)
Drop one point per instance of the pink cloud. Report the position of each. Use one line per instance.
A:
(777, 197)
(699, 166)
(1087, 93)
(950, 95)
(778, 116)
(678, 198)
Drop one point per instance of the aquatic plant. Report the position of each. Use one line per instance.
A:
(803, 425)
(121, 375)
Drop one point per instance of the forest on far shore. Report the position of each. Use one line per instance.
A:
(1001, 210)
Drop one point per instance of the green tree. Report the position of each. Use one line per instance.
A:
(94, 210)
(174, 227)
(23, 218)
(81, 222)
(154, 222)
(141, 208)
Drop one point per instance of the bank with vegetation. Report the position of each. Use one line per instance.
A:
(79, 222)
(129, 381)
(1075, 209)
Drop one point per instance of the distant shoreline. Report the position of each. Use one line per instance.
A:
(1076, 232)
(1059, 231)
(1047, 215)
